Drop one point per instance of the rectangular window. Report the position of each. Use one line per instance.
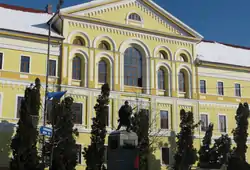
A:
(77, 113)
(19, 101)
(164, 119)
(204, 122)
(237, 90)
(107, 118)
(105, 154)
(52, 67)
(25, 64)
(203, 88)
(165, 156)
(79, 153)
(222, 123)
(49, 108)
(220, 87)
(1, 61)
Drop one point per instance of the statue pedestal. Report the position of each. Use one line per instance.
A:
(122, 150)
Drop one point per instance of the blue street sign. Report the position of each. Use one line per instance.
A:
(45, 131)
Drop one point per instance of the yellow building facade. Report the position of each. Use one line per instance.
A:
(148, 57)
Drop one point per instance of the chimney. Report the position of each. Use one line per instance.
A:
(49, 9)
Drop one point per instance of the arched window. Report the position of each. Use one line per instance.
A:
(79, 41)
(161, 79)
(134, 16)
(76, 68)
(183, 58)
(182, 81)
(133, 67)
(102, 72)
(104, 45)
(163, 55)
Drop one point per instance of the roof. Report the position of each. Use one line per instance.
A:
(26, 20)
(93, 3)
(216, 52)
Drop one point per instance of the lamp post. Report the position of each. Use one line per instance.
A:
(47, 75)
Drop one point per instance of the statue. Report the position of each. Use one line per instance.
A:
(125, 113)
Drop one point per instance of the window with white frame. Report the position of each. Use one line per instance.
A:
(237, 90)
(204, 122)
(164, 119)
(77, 109)
(105, 154)
(220, 87)
(79, 153)
(1, 61)
(25, 64)
(222, 123)
(49, 108)
(107, 116)
(52, 67)
(19, 101)
(203, 88)
(165, 156)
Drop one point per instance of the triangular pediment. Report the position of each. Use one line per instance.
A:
(152, 16)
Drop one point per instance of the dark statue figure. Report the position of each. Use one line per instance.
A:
(125, 113)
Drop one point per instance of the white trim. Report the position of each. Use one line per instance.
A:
(235, 90)
(169, 155)
(83, 34)
(18, 95)
(84, 54)
(169, 74)
(135, 21)
(30, 49)
(208, 119)
(83, 115)
(169, 120)
(217, 87)
(1, 104)
(178, 52)
(22, 55)
(145, 59)
(205, 86)
(158, 48)
(82, 158)
(190, 79)
(2, 60)
(56, 67)
(216, 75)
(105, 36)
(218, 121)
(111, 70)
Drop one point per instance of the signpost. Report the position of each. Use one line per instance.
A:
(46, 131)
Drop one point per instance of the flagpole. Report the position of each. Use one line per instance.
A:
(47, 77)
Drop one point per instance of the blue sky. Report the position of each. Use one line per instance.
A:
(220, 20)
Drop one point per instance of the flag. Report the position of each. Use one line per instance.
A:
(56, 95)
(136, 163)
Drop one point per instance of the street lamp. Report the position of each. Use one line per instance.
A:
(47, 75)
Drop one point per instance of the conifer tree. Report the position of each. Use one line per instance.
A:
(186, 154)
(204, 152)
(220, 152)
(62, 146)
(94, 153)
(24, 143)
(237, 158)
(240, 132)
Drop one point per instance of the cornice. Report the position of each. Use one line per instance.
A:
(224, 66)
(30, 36)
(131, 31)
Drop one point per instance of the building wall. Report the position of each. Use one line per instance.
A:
(86, 91)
